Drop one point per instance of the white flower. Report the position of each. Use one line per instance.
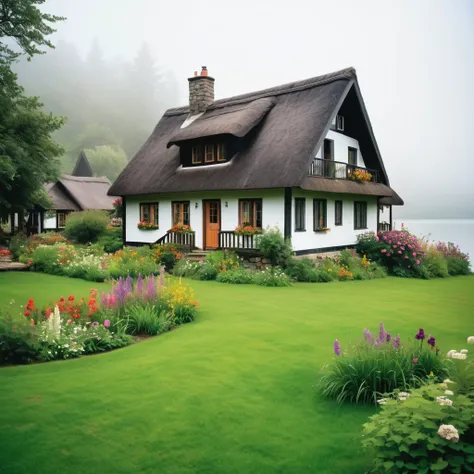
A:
(382, 401)
(460, 356)
(443, 401)
(470, 340)
(451, 352)
(448, 392)
(403, 396)
(447, 381)
(464, 351)
(449, 432)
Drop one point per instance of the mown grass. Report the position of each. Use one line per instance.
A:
(232, 392)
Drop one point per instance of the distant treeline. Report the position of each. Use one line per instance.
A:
(111, 105)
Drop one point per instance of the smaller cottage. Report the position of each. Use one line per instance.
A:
(79, 191)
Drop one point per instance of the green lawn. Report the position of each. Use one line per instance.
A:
(229, 393)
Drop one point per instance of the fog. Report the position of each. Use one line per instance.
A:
(414, 60)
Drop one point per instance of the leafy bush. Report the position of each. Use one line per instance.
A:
(430, 429)
(86, 226)
(207, 271)
(275, 247)
(223, 260)
(87, 267)
(372, 367)
(239, 276)
(187, 268)
(132, 261)
(435, 263)
(272, 277)
(100, 339)
(369, 245)
(111, 241)
(18, 341)
(46, 259)
(458, 262)
(17, 245)
(167, 255)
(302, 270)
(179, 300)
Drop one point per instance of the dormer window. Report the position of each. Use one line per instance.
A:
(208, 154)
(339, 123)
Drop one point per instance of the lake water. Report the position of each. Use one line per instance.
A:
(458, 231)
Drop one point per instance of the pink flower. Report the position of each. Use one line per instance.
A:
(384, 250)
(415, 360)
(394, 246)
(409, 266)
(417, 262)
(414, 254)
(377, 238)
(107, 323)
(400, 251)
(398, 243)
(388, 254)
(69, 321)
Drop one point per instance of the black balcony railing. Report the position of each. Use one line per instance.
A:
(337, 170)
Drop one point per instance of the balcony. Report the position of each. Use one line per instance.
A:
(337, 170)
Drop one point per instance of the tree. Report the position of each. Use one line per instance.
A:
(107, 160)
(28, 154)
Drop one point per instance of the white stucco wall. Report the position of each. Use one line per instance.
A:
(272, 212)
(50, 223)
(344, 234)
(341, 145)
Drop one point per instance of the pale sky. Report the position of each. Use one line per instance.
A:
(414, 60)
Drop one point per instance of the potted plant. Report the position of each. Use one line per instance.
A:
(181, 228)
(246, 229)
(359, 175)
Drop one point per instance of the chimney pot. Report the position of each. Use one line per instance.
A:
(204, 71)
(195, 73)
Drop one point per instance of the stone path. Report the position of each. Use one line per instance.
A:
(12, 266)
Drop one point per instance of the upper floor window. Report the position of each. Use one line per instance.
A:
(250, 211)
(181, 213)
(207, 154)
(352, 156)
(340, 123)
(149, 212)
(328, 149)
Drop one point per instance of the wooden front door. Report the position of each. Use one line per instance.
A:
(212, 224)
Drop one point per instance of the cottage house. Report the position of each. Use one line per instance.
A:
(300, 156)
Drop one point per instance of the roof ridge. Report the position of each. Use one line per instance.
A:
(96, 179)
(347, 73)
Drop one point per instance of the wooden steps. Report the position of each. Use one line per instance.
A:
(198, 255)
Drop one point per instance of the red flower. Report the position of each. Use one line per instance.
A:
(61, 299)
(415, 360)
(27, 313)
(71, 298)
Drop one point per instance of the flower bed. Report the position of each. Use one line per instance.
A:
(71, 327)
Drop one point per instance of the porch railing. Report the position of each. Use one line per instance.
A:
(337, 170)
(186, 240)
(384, 226)
(228, 239)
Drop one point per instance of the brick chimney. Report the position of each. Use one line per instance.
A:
(201, 91)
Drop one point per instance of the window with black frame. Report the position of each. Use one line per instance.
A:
(300, 214)
(360, 215)
(319, 214)
(338, 212)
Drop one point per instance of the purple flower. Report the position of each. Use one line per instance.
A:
(382, 332)
(421, 335)
(337, 348)
(368, 336)
(128, 284)
(107, 323)
(151, 288)
(388, 337)
(139, 287)
(396, 342)
(431, 341)
(120, 291)
(162, 276)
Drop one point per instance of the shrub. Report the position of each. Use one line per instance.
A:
(111, 241)
(132, 261)
(272, 277)
(187, 268)
(179, 300)
(223, 260)
(369, 245)
(100, 339)
(167, 255)
(46, 259)
(372, 367)
(17, 245)
(436, 264)
(457, 266)
(275, 247)
(86, 226)
(302, 270)
(239, 276)
(207, 271)
(422, 431)
(87, 267)
(18, 341)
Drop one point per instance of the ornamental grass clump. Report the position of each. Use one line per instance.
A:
(377, 364)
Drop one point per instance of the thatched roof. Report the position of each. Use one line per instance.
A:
(279, 129)
(83, 167)
(60, 198)
(89, 193)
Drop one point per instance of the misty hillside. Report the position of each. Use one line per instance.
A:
(111, 105)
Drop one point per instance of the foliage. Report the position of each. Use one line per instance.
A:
(145, 319)
(275, 247)
(118, 208)
(187, 268)
(17, 243)
(359, 175)
(302, 269)
(18, 341)
(132, 261)
(145, 225)
(223, 260)
(272, 277)
(435, 263)
(86, 226)
(179, 299)
(239, 276)
(458, 262)
(167, 255)
(430, 429)
(111, 241)
(107, 160)
(87, 267)
(374, 366)
(27, 150)
(207, 271)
